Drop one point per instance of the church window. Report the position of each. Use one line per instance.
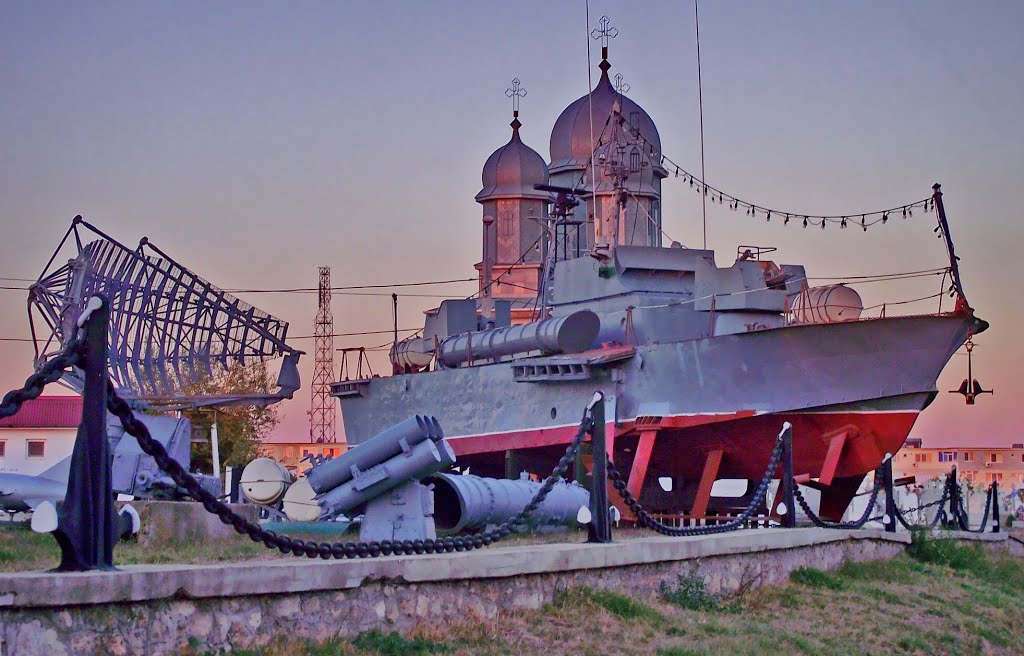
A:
(654, 224)
(505, 224)
(634, 120)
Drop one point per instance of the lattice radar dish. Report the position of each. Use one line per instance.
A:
(169, 328)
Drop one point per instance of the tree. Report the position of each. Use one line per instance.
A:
(241, 429)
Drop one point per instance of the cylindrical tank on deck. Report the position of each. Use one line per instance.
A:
(264, 480)
(466, 502)
(569, 334)
(412, 354)
(377, 449)
(827, 304)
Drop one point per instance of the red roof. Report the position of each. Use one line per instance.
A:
(47, 412)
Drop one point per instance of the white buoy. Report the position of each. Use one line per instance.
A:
(583, 516)
(782, 509)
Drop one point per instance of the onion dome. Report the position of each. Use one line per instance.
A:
(512, 171)
(571, 144)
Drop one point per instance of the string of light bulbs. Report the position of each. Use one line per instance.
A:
(863, 220)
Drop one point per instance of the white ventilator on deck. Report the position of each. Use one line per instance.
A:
(299, 504)
(264, 481)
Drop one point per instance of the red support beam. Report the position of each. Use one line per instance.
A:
(642, 459)
(707, 480)
(835, 450)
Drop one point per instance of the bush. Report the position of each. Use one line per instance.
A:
(815, 578)
(691, 593)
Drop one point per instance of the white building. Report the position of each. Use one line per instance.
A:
(40, 435)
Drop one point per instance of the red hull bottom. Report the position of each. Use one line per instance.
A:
(838, 448)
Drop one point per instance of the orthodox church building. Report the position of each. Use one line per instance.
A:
(605, 152)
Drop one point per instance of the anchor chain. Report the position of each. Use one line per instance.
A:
(327, 550)
(857, 523)
(644, 517)
(960, 513)
(939, 515)
(50, 372)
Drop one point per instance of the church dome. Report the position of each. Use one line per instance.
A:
(512, 170)
(571, 145)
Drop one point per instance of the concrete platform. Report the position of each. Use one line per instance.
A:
(155, 582)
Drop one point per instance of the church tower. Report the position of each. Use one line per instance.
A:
(513, 221)
(621, 142)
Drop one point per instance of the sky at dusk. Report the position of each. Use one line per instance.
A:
(257, 141)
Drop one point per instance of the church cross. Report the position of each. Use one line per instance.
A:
(603, 33)
(620, 84)
(515, 92)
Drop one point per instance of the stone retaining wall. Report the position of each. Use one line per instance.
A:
(157, 610)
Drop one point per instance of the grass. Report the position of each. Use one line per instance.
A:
(940, 598)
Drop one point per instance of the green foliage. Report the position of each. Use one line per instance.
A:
(679, 651)
(691, 593)
(393, 644)
(240, 429)
(617, 604)
(945, 551)
(815, 578)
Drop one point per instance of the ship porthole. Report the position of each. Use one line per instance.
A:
(554, 412)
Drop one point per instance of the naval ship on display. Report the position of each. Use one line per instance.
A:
(700, 364)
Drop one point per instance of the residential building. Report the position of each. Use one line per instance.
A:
(977, 465)
(39, 435)
(290, 454)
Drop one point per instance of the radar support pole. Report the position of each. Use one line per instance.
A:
(599, 530)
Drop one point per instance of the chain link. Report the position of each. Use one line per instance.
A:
(960, 513)
(939, 515)
(326, 550)
(644, 517)
(857, 523)
(50, 372)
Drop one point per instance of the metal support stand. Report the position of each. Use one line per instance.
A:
(600, 529)
(995, 507)
(786, 489)
(890, 496)
(87, 525)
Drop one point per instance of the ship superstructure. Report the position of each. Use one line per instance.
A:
(700, 364)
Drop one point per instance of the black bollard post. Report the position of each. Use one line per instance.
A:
(952, 516)
(890, 496)
(600, 529)
(995, 507)
(87, 525)
(787, 484)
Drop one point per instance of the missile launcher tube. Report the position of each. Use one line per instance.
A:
(569, 334)
(466, 502)
(425, 458)
(374, 451)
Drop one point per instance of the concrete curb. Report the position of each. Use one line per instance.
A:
(168, 582)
